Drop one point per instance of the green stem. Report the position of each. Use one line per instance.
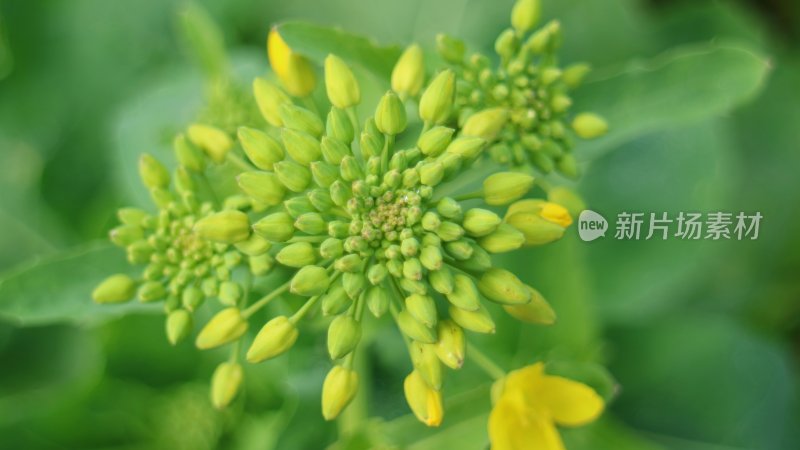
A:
(468, 196)
(484, 362)
(387, 144)
(298, 316)
(306, 239)
(239, 162)
(252, 309)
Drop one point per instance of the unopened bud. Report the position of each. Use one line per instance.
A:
(275, 227)
(451, 346)
(390, 116)
(442, 280)
(451, 49)
(261, 149)
(478, 321)
(505, 187)
(187, 155)
(339, 126)
(297, 118)
(506, 44)
(192, 298)
(431, 257)
(504, 287)
(334, 150)
(408, 74)
(341, 84)
(486, 124)
(270, 98)
(537, 311)
(434, 141)
(226, 326)
(436, 102)
(422, 308)
(573, 75)
(426, 363)
(335, 301)
(153, 173)
(344, 333)
(213, 141)
(415, 329)
(225, 384)
(525, 15)
(449, 231)
(536, 230)
(464, 295)
(310, 281)
(425, 403)
(568, 165)
(275, 338)
(227, 227)
(338, 389)
(179, 325)
(301, 146)
(431, 174)
(589, 125)
(261, 186)
(480, 222)
(377, 301)
(151, 291)
(504, 239)
(115, 289)
(254, 246)
(298, 254)
(294, 176)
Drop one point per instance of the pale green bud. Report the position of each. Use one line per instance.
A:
(213, 141)
(227, 227)
(338, 389)
(504, 287)
(298, 205)
(550, 75)
(348, 263)
(340, 193)
(390, 116)
(504, 239)
(184, 183)
(431, 174)
(371, 145)
(125, 235)
(464, 295)
(276, 227)
(335, 300)
(434, 141)
(187, 155)
(320, 199)
(589, 125)
(451, 347)
(442, 281)
(344, 333)
(334, 150)
(436, 102)
(535, 229)
(254, 246)
(134, 217)
(226, 326)
(151, 291)
(478, 321)
(263, 187)
(275, 338)
(297, 118)
(261, 264)
(210, 287)
(412, 269)
(410, 178)
(413, 286)
(573, 75)
(449, 231)
(408, 74)
(153, 173)
(225, 384)
(431, 257)
(505, 187)
(486, 124)
(191, 298)
(310, 281)
(301, 146)
(298, 254)
(261, 149)
(377, 301)
(424, 401)
(294, 176)
(525, 15)
(426, 363)
(451, 49)
(179, 325)
(506, 44)
(341, 84)
(311, 223)
(270, 98)
(461, 250)
(229, 293)
(350, 169)
(449, 208)
(537, 311)
(546, 38)
(332, 247)
(560, 103)
(115, 289)
(339, 126)
(324, 174)
(139, 252)
(422, 308)
(415, 329)
(480, 222)
(376, 273)
(466, 147)
(568, 165)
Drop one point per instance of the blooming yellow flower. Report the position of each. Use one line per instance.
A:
(530, 403)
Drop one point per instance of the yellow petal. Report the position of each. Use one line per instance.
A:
(569, 403)
(278, 53)
(514, 428)
(294, 70)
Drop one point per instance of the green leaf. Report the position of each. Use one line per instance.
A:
(316, 42)
(58, 289)
(678, 87)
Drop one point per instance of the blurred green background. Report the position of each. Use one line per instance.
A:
(702, 338)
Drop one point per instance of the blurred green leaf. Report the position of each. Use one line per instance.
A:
(58, 289)
(680, 86)
(204, 39)
(317, 42)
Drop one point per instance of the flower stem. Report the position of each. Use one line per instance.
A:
(252, 309)
(468, 196)
(485, 363)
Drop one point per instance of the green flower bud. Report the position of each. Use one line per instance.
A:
(431, 174)
(480, 222)
(226, 326)
(324, 174)
(213, 141)
(350, 169)
(371, 145)
(297, 118)
(449, 231)
(229, 293)
(408, 74)
(338, 389)
(426, 363)
(151, 291)
(225, 384)
(415, 329)
(537, 311)
(254, 246)
(390, 116)
(310, 223)
(422, 308)
(339, 126)
(478, 321)
(134, 217)
(506, 44)
(348, 263)
(464, 294)
(227, 227)
(560, 103)
(139, 252)
(461, 250)
(504, 239)
(340, 193)
(320, 199)
(344, 333)
(187, 155)
(191, 298)
(589, 125)
(504, 287)
(335, 301)
(298, 205)
(261, 149)
(275, 338)
(413, 286)
(310, 281)
(568, 166)
(436, 102)
(410, 178)
(486, 124)
(573, 75)
(114, 289)
(332, 247)
(341, 84)
(294, 176)
(431, 257)
(183, 181)
(261, 264)
(525, 15)
(125, 235)
(535, 229)
(449, 208)
(377, 301)
(262, 186)
(276, 227)
(298, 254)
(451, 49)
(442, 281)
(451, 347)
(301, 146)
(179, 325)
(153, 173)
(210, 287)
(270, 98)
(466, 148)
(412, 269)
(334, 150)
(434, 141)
(545, 39)
(424, 401)
(504, 187)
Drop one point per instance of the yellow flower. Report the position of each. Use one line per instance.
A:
(530, 403)
(294, 70)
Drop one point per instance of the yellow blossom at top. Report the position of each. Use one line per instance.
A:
(530, 404)
(294, 70)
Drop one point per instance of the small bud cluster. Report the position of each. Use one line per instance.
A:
(527, 89)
